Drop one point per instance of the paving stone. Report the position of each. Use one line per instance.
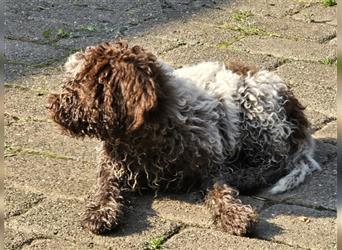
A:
(25, 104)
(26, 97)
(325, 152)
(76, 20)
(317, 191)
(182, 210)
(322, 83)
(317, 13)
(80, 43)
(297, 74)
(187, 211)
(298, 226)
(48, 79)
(319, 93)
(285, 48)
(189, 6)
(333, 22)
(316, 118)
(34, 136)
(182, 56)
(50, 176)
(59, 244)
(17, 28)
(328, 133)
(317, 97)
(30, 53)
(211, 12)
(195, 238)
(288, 28)
(14, 71)
(333, 41)
(61, 218)
(15, 239)
(274, 8)
(189, 33)
(19, 201)
(84, 23)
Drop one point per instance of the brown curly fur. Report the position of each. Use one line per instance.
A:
(237, 219)
(117, 85)
(242, 69)
(104, 211)
(119, 95)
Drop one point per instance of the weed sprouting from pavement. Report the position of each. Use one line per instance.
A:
(13, 151)
(56, 34)
(244, 31)
(243, 27)
(155, 243)
(327, 61)
(328, 3)
(241, 15)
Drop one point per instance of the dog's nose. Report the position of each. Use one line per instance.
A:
(51, 100)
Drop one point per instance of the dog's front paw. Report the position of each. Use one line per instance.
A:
(100, 219)
(237, 220)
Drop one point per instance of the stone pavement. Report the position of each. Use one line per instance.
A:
(49, 176)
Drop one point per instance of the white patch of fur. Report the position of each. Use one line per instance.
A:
(74, 64)
(296, 176)
(304, 165)
(220, 83)
(265, 86)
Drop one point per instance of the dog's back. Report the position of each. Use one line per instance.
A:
(272, 143)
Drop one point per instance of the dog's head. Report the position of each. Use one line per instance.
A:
(109, 91)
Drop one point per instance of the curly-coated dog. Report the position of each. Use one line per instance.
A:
(220, 129)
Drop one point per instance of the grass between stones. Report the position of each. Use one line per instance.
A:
(243, 27)
(241, 15)
(53, 35)
(39, 91)
(40, 65)
(155, 243)
(329, 3)
(244, 31)
(22, 120)
(14, 151)
(327, 61)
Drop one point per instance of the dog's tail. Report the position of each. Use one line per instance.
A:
(301, 164)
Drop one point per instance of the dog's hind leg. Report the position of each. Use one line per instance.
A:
(301, 163)
(229, 213)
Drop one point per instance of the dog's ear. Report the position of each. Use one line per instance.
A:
(139, 86)
(122, 82)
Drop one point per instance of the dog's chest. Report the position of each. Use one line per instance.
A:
(169, 166)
